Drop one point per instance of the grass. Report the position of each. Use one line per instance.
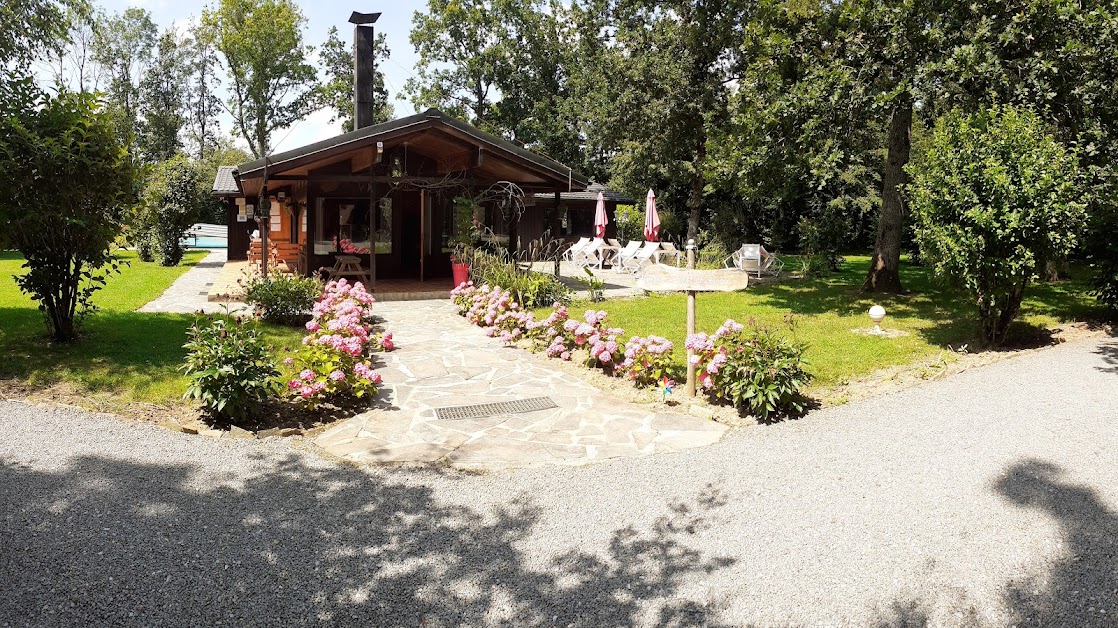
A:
(123, 355)
(828, 308)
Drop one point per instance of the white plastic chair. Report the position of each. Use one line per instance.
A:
(668, 250)
(753, 258)
(626, 254)
(590, 255)
(643, 257)
(575, 249)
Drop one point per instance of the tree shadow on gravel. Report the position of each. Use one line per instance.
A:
(110, 542)
(1109, 353)
(1082, 588)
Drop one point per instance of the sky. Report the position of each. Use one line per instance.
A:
(394, 22)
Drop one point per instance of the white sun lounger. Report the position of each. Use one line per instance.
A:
(643, 257)
(626, 254)
(575, 248)
(753, 258)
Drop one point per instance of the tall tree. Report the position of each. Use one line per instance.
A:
(336, 58)
(200, 98)
(665, 80)
(70, 61)
(162, 100)
(27, 29)
(463, 48)
(272, 86)
(123, 45)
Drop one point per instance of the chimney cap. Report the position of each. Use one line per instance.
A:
(363, 18)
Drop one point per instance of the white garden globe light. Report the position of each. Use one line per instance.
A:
(877, 314)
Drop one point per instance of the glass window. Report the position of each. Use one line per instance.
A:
(384, 226)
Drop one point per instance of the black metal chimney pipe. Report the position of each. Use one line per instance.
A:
(363, 63)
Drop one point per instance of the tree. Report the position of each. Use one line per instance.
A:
(123, 45)
(173, 200)
(336, 57)
(272, 85)
(665, 82)
(70, 60)
(162, 100)
(994, 197)
(65, 183)
(200, 100)
(27, 28)
(463, 47)
(222, 153)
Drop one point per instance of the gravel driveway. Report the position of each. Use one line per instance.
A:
(989, 498)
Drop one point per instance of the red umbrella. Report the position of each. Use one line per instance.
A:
(651, 218)
(600, 220)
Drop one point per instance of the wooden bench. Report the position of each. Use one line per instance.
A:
(350, 266)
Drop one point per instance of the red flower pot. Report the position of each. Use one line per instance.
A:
(461, 273)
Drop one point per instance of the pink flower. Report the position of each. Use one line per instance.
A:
(306, 391)
(289, 361)
(337, 375)
(307, 375)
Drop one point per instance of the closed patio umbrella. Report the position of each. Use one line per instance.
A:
(600, 220)
(651, 218)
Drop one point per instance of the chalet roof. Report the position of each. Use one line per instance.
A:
(591, 194)
(432, 119)
(225, 183)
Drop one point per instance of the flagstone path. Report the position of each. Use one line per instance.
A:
(190, 292)
(443, 361)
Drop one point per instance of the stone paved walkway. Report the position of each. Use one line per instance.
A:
(441, 360)
(190, 292)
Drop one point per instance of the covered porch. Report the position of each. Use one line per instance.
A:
(387, 195)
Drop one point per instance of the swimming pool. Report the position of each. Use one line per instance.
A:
(203, 242)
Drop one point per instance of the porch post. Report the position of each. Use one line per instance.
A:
(372, 231)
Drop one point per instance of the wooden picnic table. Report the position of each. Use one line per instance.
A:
(350, 266)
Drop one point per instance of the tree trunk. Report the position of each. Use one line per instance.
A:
(698, 185)
(884, 274)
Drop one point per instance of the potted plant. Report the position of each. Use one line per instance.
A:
(466, 229)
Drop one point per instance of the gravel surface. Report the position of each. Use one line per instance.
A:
(990, 498)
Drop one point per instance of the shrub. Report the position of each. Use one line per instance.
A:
(335, 357)
(282, 298)
(529, 289)
(230, 368)
(647, 360)
(994, 197)
(172, 204)
(65, 188)
(751, 366)
(601, 343)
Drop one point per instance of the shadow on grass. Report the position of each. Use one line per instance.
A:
(117, 352)
(951, 316)
(104, 541)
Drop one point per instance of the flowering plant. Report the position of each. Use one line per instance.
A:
(600, 342)
(334, 358)
(345, 245)
(647, 360)
(751, 366)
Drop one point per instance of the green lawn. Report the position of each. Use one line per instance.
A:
(131, 356)
(828, 308)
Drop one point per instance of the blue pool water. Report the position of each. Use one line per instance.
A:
(202, 242)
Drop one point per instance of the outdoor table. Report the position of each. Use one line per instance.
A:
(349, 266)
(608, 255)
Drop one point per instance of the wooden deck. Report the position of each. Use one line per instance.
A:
(227, 286)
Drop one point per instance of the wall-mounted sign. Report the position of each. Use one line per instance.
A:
(242, 211)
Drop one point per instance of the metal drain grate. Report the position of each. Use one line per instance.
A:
(483, 410)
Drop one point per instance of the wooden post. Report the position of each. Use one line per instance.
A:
(690, 321)
(265, 203)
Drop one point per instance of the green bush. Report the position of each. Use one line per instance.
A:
(756, 369)
(230, 368)
(994, 197)
(171, 204)
(282, 298)
(529, 289)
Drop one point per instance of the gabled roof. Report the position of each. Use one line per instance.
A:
(591, 194)
(225, 183)
(432, 118)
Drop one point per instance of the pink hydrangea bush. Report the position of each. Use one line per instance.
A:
(647, 360)
(753, 367)
(335, 356)
(558, 335)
